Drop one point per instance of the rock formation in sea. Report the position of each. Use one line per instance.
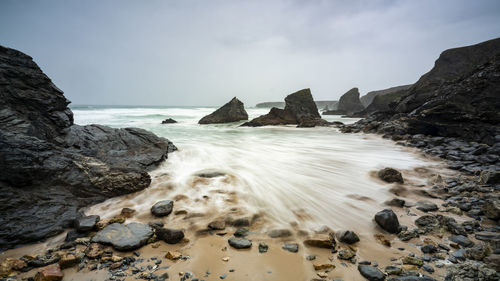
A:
(382, 103)
(232, 111)
(330, 104)
(299, 109)
(349, 104)
(51, 167)
(458, 98)
(367, 99)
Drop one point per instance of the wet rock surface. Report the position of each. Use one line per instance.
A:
(162, 208)
(124, 237)
(371, 273)
(388, 221)
(390, 175)
(53, 166)
(232, 111)
(300, 109)
(239, 243)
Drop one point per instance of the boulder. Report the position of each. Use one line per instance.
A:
(371, 273)
(349, 104)
(491, 209)
(470, 271)
(300, 110)
(162, 208)
(232, 111)
(426, 206)
(388, 221)
(171, 236)
(124, 237)
(56, 167)
(390, 175)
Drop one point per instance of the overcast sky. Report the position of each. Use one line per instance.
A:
(206, 52)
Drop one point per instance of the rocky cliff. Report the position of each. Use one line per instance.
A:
(232, 111)
(459, 97)
(367, 99)
(51, 167)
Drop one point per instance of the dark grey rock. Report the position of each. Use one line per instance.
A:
(371, 273)
(390, 175)
(470, 271)
(239, 243)
(349, 103)
(279, 233)
(348, 237)
(230, 112)
(426, 206)
(263, 247)
(124, 237)
(162, 208)
(428, 249)
(86, 224)
(462, 241)
(168, 121)
(388, 221)
(242, 232)
(171, 236)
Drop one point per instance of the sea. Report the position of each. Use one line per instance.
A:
(304, 177)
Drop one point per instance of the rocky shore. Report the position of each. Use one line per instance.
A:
(51, 168)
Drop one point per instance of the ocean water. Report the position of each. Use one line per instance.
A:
(284, 176)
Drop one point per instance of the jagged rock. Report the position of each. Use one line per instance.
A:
(321, 241)
(349, 104)
(412, 261)
(300, 109)
(124, 237)
(68, 260)
(162, 208)
(49, 273)
(53, 166)
(346, 254)
(217, 225)
(368, 99)
(171, 236)
(94, 250)
(388, 221)
(477, 252)
(371, 273)
(168, 121)
(492, 209)
(232, 111)
(390, 175)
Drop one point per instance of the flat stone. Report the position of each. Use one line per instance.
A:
(172, 255)
(323, 266)
(124, 237)
(217, 225)
(371, 273)
(320, 241)
(162, 208)
(239, 243)
(462, 241)
(412, 261)
(68, 260)
(393, 270)
(390, 175)
(428, 249)
(242, 232)
(426, 206)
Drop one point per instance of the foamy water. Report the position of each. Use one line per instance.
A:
(308, 177)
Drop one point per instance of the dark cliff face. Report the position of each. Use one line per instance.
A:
(349, 103)
(452, 64)
(51, 167)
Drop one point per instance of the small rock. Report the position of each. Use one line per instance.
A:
(86, 224)
(382, 239)
(388, 221)
(172, 255)
(241, 232)
(225, 259)
(426, 206)
(239, 243)
(263, 248)
(321, 241)
(412, 261)
(346, 254)
(323, 266)
(393, 270)
(390, 175)
(168, 121)
(124, 237)
(428, 268)
(68, 260)
(371, 273)
(428, 249)
(396, 202)
(49, 273)
(462, 241)
(127, 212)
(171, 236)
(241, 222)
(348, 237)
(162, 208)
(217, 225)
(94, 250)
(291, 247)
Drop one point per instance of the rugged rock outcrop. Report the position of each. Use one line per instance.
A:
(382, 103)
(349, 104)
(51, 167)
(458, 98)
(329, 104)
(367, 99)
(232, 111)
(299, 109)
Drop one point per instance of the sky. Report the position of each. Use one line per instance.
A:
(206, 52)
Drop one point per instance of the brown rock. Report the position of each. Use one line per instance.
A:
(323, 266)
(171, 255)
(94, 250)
(127, 212)
(115, 265)
(382, 239)
(217, 225)
(49, 273)
(68, 260)
(321, 241)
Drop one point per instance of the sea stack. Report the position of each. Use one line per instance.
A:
(300, 109)
(349, 104)
(232, 111)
